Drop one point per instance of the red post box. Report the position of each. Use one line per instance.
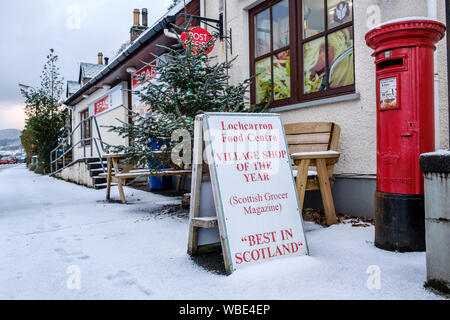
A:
(405, 127)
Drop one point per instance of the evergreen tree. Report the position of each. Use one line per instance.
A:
(44, 115)
(189, 83)
(27, 142)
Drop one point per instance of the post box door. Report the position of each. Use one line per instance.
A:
(397, 124)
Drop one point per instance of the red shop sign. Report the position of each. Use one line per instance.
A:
(101, 105)
(199, 36)
(143, 75)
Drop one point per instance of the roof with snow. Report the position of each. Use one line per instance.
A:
(89, 70)
(103, 70)
(72, 87)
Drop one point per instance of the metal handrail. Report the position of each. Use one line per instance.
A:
(66, 142)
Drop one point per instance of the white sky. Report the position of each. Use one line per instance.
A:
(28, 29)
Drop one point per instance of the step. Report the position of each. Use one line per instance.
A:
(104, 185)
(94, 159)
(95, 172)
(98, 162)
(99, 180)
(97, 165)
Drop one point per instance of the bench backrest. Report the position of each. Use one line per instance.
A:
(312, 136)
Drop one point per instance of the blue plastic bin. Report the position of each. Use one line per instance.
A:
(159, 183)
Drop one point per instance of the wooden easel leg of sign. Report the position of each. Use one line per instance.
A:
(195, 221)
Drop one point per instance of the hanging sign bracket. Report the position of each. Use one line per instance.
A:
(218, 26)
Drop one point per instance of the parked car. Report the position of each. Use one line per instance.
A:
(4, 160)
(13, 160)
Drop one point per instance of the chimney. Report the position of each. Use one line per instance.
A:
(100, 58)
(106, 61)
(136, 15)
(136, 30)
(145, 17)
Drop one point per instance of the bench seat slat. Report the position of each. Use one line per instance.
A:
(311, 173)
(314, 138)
(296, 148)
(146, 172)
(307, 127)
(150, 174)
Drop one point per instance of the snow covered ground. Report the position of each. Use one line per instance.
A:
(50, 230)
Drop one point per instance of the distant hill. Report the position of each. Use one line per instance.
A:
(10, 144)
(10, 134)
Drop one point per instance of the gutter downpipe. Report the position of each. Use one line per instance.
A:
(202, 12)
(432, 12)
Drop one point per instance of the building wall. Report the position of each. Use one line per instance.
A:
(78, 173)
(108, 118)
(356, 116)
(111, 118)
(443, 83)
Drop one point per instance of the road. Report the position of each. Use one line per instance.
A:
(59, 240)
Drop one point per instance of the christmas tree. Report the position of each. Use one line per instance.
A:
(189, 83)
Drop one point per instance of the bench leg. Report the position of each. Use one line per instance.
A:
(325, 190)
(122, 194)
(115, 163)
(302, 177)
(108, 180)
(178, 187)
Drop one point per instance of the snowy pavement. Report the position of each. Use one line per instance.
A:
(51, 231)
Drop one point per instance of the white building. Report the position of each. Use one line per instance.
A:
(273, 30)
(322, 71)
(103, 96)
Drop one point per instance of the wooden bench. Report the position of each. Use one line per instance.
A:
(120, 176)
(314, 150)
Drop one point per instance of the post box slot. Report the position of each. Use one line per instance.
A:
(391, 63)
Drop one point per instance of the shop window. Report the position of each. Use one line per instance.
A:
(272, 54)
(85, 127)
(301, 50)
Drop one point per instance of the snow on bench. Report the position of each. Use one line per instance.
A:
(311, 173)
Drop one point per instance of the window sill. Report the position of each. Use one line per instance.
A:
(336, 99)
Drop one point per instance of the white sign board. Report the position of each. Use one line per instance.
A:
(253, 186)
(112, 99)
(388, 93)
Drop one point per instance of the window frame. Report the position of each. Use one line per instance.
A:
(84, 128)
(295, 47)
(293, 51)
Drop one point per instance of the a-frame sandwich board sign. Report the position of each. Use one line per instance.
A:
(256, 207)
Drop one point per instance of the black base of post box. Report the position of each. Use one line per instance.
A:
(399, 222)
